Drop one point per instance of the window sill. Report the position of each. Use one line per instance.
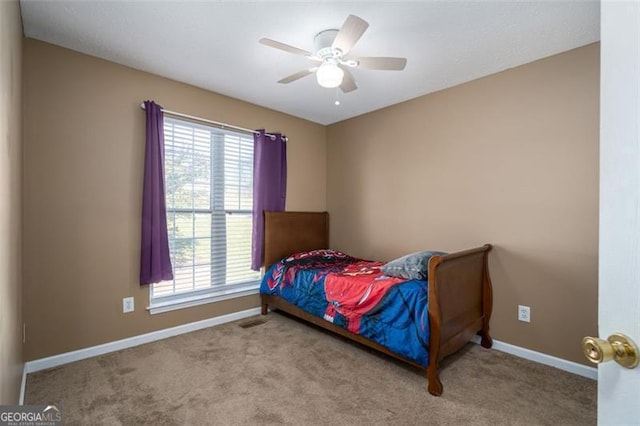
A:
(201, 299)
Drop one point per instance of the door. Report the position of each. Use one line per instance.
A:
(619, 264)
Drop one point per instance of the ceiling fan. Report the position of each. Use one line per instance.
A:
(332, 47)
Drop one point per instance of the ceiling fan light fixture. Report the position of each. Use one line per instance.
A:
(331, 48)
(329, 75)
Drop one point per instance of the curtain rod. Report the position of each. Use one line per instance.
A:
(216, 123)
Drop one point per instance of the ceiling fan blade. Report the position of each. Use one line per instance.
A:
(348, 83)
(391, 64)
(298, 75)
(285, 47)
(350, 33)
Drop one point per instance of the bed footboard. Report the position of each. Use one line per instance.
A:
(460, 303)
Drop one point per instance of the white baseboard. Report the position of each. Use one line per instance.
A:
(539, 357)
(65, 358)
(23, 385)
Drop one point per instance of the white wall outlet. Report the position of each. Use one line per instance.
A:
(524, 313)
(127, 305)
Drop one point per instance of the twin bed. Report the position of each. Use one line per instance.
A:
(412, 320)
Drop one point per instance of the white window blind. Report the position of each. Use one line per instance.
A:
(209, 197)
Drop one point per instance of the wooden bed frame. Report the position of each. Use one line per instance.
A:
(460, 294)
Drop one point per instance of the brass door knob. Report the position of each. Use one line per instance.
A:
(617, 347)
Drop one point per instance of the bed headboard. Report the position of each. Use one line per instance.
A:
(286, 233)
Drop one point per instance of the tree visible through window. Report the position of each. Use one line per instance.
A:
(209, 194)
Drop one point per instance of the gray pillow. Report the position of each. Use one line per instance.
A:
(414, 266)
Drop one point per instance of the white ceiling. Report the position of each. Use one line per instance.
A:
(214, 44)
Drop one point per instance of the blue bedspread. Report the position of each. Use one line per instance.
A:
(356, 295)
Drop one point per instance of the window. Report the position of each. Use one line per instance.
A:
(209, 195)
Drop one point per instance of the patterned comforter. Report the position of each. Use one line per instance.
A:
(355, 294)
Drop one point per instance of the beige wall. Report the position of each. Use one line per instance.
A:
(84, 140)
(10, 201)
(510, 159)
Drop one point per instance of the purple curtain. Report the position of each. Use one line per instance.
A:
(155, 262)
(269, 186)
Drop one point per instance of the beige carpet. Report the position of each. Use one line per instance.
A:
(287, 372)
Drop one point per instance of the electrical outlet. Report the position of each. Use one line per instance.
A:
(127, 305)
(524, 313)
